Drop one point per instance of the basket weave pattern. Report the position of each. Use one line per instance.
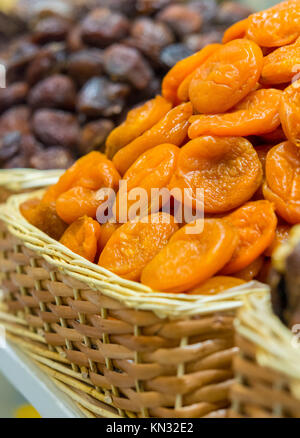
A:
(266, 367)
(148, 363)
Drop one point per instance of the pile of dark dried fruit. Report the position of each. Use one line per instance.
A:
(71, 81)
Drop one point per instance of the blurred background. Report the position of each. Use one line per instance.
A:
(93, 124)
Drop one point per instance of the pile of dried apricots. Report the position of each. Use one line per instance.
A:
(228, 121)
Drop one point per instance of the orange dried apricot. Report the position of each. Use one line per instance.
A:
(281, 236)
(77, 202)
(137, 122)
(274, 137)
(236, 31)
(217, 284)
(107, 231)
(171, 129)
(152, 170)
(182, 69)
(281, 65)
(251, 271)
(257, 114)
(283, 181)
(190, 259)
(92, 172)
(276, 26)
(256, 224)
(82, 237)
(43, 216)
(226, 77)
(290, 113)
(226, 168)
(134, 244)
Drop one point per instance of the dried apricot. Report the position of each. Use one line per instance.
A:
(137, 122)
(134, 244)
(251, 271)
(77, 202)
(257, 114)
(152, 170)
(236, 31)
(276, 26)
(190, 259)
(281, 236)
(217, 284)
(290, 113)
(226, 77)
(82, 237)
(283, 181)
(226, 168)
(107, 231)
(182, 69)
(43, 216)
(171, 129)
(92, 172)
(281, 65)
(256, 224)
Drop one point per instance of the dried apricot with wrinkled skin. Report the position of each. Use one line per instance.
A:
(281, 65)
(171, 129)
(82, 237)
(283, 181)
(190, 259)
(153, 169)
(257, 114)
(182, 69)
(256, 224)
(217, 284)
(134, 244)
(251, 271)
(226, 77)
(290, 113)
(226, 168)
(137, 122)
(236, 31)
(77, 202)
(92, 172)
(43, 216)
(276, 26)
(107, 231)
(281, 236)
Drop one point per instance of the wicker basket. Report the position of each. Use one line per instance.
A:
(267, 367)
(14, 181)
(142, 353)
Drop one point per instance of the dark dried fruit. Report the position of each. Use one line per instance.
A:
(85, 64)
(126, 7)
(74, 39)
(57, 91)
(23, 54)
(9, 145)
(127, 64)
(101, 97)
(102, 27)
(50, 29)
(29, 145)
(230, 12)
(174, 53)
(196, 42)
(55, 157)
(55, 127)
(181, 19)
(15, 119)
(151, 6)
(93, 135)
(17, 162)
(150, 37)
(206, 8)
(49, 60)
(13, 95)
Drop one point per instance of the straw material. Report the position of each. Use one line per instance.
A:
(267, 366)
(140, 352)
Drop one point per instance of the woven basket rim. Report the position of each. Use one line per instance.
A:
(277, 347)
(22, 179)
(132, 294)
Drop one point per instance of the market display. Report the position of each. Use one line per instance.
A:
(216, 126)
(84, 64)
